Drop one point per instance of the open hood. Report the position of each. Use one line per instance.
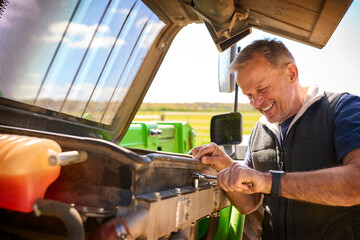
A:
(83, 67)
(228, 21)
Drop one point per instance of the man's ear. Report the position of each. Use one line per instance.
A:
(292, 72)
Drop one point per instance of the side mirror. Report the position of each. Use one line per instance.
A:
(226, 79)
(226, 129)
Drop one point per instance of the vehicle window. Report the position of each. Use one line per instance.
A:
(75, 57)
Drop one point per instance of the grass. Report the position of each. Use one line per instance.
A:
(200, 121)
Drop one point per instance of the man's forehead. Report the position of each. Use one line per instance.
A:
(258, 60)
(255, 75)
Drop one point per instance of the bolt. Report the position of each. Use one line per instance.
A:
(215, 214)
(156, 194)
(226, 34)
(101, 210)
(53, 160)
(162, 45)
(212, 183)
(36, 209)
(123, 236)
(177, 190)
(196, 183)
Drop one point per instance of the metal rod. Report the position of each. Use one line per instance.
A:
(67, 158)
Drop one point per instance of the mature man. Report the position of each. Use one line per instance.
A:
(303, 156)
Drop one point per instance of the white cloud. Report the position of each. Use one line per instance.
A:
(79, 35)
(123, 11)
(103, 42)
(35, 78)
(141, 22)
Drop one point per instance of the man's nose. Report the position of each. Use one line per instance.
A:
(257, 101)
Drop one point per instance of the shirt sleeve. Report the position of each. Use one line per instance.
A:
(347, 125)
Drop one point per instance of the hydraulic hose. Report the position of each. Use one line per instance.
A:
(67, 214)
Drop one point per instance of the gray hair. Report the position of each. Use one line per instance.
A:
(273, 50)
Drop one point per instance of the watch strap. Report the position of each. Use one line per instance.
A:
(276, 183)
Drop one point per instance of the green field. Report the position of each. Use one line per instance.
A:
(199, 120)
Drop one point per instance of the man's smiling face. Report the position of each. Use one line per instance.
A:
(268, 89)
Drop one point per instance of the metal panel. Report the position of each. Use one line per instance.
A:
(329, 18)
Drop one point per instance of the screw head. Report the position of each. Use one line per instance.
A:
(123, 236)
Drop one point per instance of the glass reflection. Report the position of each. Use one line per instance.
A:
(75, 57)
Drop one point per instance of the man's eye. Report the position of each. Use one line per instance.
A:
(263, 89)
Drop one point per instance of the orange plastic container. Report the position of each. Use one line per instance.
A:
(25, 173)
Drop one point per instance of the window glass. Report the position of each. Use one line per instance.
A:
(77, 57)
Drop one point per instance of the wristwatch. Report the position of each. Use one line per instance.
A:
(276, 182)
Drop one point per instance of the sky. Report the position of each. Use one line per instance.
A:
(189, 72)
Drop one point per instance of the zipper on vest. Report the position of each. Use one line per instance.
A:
(280, 156)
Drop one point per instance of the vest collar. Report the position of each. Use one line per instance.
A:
(314, 94)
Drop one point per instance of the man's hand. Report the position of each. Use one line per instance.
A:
(212, 155)
(228, 178)
(240, 178)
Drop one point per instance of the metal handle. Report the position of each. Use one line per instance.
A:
(67, 158)
(155, 132)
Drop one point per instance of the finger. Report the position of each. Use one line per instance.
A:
(237, 181)
(216, 162)
(212, 160)
(234, 179)
(226, 175)
(195, 150)
(207, 160)
(220, 180)
(207, 149)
